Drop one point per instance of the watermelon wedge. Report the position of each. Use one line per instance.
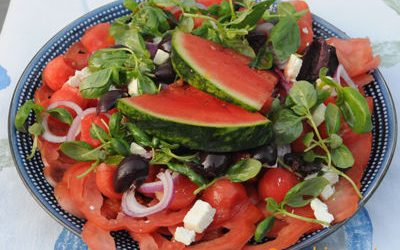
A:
(221, 72)
(194, 119)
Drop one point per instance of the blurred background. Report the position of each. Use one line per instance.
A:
(3, 11)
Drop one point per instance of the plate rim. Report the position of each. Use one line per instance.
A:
(392, 142)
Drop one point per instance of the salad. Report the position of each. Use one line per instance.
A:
(205, 124)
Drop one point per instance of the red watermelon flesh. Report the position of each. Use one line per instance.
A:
(226, 70)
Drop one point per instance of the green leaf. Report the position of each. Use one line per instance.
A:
(263, 60)
(300, 110)
(81, 151)
(108, 59)
(355, 111)
(139, 136)
(342, 157)
(186, 24)
(249, 18)
(61, 114)
(115, 126)
(335, 141)
(244, 170)
(303, 94)
(114, 159)
(160, 158)
(287, 127)
(36, 129)
(188, 172)
(332, 119)
(309, 156)
(130, 4)
(146, 85)
(302, 194)
(186, 158)
(307, 139)
(96, 132)
(23, 114)
(263, 227)
(286, 8)
(96, 84)
(120, 146)
(284, 38)
(134, 41)
(272, 205)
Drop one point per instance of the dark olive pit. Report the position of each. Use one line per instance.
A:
(132, 170)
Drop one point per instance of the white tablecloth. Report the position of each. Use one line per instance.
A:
(29, 24)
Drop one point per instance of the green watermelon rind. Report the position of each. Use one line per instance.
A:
(212, 138)
(187, 70)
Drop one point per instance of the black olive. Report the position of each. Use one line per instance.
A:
(298, 165)
(316, 56)
(266, 154)
(108, 100)
(165, 73)
(152, 48)
(132, 170)
(212, 165)
(256, 39)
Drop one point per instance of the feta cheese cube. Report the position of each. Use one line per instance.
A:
(318, 114)
(184, 235)
(333, 178)
(292, 68)
(327, 192)
(133, 89)
(160, 57)
(199, 216)
(321, 211)
(136, 149)
(79, 76)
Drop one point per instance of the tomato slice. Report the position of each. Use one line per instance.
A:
(69, 93)
(42, 95)
(305, 25)
(97, 238)
(97, 37)
(61, 192)
(226, 197)
(356, 55)
(111, 208)
(105, 179)
(208, 3)
(275, 183)
(86, 124)
(183, 193)
(56, 73)
(77, 56)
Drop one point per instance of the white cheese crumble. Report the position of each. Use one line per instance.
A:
(161, 57)
(80, 75)
(305, 30)
(318, 114)
(321, 211)
(292, 68)
(136, 149)
(327, 192)
(199, 216)
(184, 235)
(133, 89)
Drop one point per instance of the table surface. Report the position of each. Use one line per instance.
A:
(29, 24)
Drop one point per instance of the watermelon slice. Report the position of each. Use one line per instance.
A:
(194, 119)
(221, 72)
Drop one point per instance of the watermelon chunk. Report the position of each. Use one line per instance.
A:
(194, 119)
(221, 72)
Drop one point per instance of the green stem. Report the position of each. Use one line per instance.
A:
(34, 147)
(353, 184)
(306, 219)
(201, 188)
(200, 16)
(90, 169)
(232, 9)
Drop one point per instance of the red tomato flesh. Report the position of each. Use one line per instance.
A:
(97, 37)
(275, 183)
(183, 193)
(77, 56)
(56, 73)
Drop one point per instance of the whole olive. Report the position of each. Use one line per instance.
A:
(108, 100)
(212, 165)
(165, 73)
(266, 154)
(134, 169)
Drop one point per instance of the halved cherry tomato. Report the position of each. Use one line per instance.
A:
(305, 25)
(77, 56)
(208, 3)
(56, 73)
(69, 93)
(226, 197)
(104, 181)
(86, 124)
(275, 183)
(183, 193)
(97, 37)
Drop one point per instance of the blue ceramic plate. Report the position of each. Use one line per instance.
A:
(384, 120)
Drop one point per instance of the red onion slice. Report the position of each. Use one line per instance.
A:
(47, 135)
(131, 207)
(157, 186)
(342, 73)
(75, 128)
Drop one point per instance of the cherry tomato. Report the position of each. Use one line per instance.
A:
(104, 181)
(275, 183)
(56, 73)
(77, 56)
(226, 197)
(183, 193)
(97, 37)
